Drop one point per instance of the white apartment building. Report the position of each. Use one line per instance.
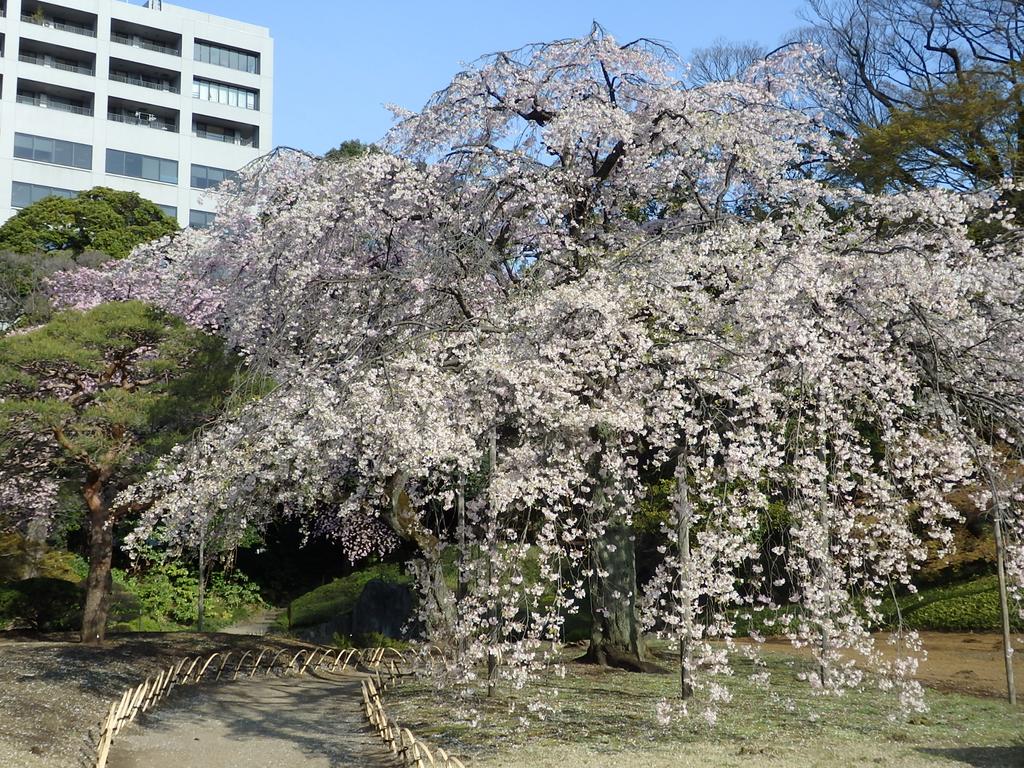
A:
(152, 98)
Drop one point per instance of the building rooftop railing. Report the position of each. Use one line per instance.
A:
(65, 26)
(141, 42)
(156, 85)
(58, 105)
(151, 121)
(32, 58)
(241, 141)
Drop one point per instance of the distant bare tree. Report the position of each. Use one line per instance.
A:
(934, 88)
(723, 60)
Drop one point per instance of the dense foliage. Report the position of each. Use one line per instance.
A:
(98, 219)
(971, 606)
(164, 596)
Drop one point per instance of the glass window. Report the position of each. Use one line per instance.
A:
(83, 156)
(47, 150)
(43, 150)
(115, 161)
(133, 165)
(142, 166)
(169, 171)
(64, 153)
(233, 96)
(170, 210)
(205, 177)
(200, 219)
(23, 145)
(21, 194)
(24, 194)
(150, 167)
(224, 56)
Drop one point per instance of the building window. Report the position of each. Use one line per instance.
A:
(223, 56)
(24, 194)
(219, 93)
(142, 166)
(205, 177)
(170, 210)
(200, 219)
(56, 151)
(225, 134)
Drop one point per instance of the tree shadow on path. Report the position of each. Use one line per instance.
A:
(301, 722)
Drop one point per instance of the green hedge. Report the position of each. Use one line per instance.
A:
(971, 606)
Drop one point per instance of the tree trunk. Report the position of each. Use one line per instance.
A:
(615, 639)
(98, 584)
(440, 602)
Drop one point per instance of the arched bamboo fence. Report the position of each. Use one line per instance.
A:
(412, 751)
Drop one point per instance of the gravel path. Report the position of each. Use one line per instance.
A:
(309, 722)
(257, 624)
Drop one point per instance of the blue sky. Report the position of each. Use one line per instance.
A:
(338, 62)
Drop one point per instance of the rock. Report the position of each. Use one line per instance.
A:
(383, 608)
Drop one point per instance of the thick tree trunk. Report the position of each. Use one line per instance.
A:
(615, 639)
(440, 603)
(101, 552)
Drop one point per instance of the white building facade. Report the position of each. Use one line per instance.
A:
(156, 99)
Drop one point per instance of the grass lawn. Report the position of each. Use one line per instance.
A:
(607, 718)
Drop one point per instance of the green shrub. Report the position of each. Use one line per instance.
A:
(42, 604)
(61, 564)
(230, 597)
(166, 591)
(8, 600)
(165, 596)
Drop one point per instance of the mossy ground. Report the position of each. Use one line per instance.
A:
(608, 718)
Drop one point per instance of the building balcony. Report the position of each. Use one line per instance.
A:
(225, 131)
(141, 42)
(132, 78)
(55, 63)
(233, 138)
(41, 100)
(59, 24)
(145, 119)
(147, 38)
(145, 115)
(53, 96)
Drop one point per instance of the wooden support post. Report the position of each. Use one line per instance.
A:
(684, 517)
(1004, 608)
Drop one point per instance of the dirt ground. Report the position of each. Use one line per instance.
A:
(961, 662)
(969, 663)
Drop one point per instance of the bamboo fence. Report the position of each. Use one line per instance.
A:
(411, 750)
